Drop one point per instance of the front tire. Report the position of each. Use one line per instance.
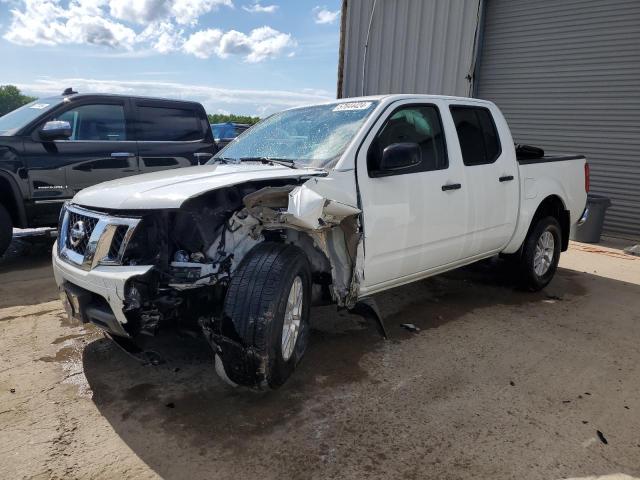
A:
(6, 230)
(541, 254)
(266, 314)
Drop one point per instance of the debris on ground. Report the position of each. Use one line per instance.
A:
(602, 437)
(512, 383)
(633, 250)
(170, 405)
(13, 390)
(153, 358)
(410, 326)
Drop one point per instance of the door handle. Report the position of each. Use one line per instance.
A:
(451, 186)
(122, 155)
(506, 178)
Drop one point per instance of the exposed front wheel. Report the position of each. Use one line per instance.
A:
(266, 316)
(6, 230)
(541, 254)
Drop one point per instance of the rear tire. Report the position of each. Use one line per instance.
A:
(266, 316)
(6, 230)
(541, 254)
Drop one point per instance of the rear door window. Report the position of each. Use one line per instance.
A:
(477, 133)
(168, 124)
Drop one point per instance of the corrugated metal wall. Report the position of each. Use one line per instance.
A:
(416, 46)
(567, 76)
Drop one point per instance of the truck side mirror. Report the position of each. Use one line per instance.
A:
(55, 130)
(397, 157)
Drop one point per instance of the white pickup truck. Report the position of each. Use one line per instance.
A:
(326, 203)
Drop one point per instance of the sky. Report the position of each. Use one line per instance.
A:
(250, 57)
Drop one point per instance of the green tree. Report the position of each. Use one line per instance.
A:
(11, 98)
(221, 118)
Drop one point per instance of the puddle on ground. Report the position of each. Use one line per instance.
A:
(67, 337)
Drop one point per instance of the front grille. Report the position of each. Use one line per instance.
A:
(88, 238)
(83, 224)
(116, 242)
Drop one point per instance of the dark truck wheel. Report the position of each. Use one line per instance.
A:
(541, 253)
(6, 230)
(267, 310)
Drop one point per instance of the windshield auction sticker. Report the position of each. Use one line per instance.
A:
(39, 106)
(343, 107)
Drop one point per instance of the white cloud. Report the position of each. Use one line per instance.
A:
(240, 101)
(204, 43)
(45, 22)
(139, 11)
(146, 11)
(322, 15)
(163, 37)
(188, 11)
(260, 44)
(258, 8)
(107, 23)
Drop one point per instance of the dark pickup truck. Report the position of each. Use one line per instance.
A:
(54, 147)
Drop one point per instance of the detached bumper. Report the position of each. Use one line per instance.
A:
(95, 295)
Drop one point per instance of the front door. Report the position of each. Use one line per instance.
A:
(415, 220)
(98, 150)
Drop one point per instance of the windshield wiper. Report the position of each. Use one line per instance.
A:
(224, 159)
(274, 161)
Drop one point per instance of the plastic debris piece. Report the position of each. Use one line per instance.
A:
(602, 437)
(410, 326)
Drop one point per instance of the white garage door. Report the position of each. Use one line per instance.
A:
(567, 76)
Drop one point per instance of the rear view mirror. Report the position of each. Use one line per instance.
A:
(55, 130)
(397, 157)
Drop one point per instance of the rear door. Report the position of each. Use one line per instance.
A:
(491, 178)
(172, 135)
(99, 149)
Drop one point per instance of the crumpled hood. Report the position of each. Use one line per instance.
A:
(171, 188)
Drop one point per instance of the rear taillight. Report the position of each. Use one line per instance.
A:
(587, 177)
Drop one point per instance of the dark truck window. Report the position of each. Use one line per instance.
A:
(169, 124)
(477, 134)
(96, 122)
(414, 124)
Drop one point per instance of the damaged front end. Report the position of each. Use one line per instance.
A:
(196, 249)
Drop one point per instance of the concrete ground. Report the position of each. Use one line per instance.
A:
(498, 384)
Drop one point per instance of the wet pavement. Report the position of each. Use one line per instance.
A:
(497, 383)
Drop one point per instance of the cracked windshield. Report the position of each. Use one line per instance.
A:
(310, 136)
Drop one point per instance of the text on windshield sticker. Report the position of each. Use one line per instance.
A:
(343, 107)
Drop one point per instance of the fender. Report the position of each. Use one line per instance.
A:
(535, 192)
(14, 194)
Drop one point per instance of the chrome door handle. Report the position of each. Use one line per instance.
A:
(122, 155)
(451, 186)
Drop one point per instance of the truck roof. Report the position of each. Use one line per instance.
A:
(78, 96)
(389, 98)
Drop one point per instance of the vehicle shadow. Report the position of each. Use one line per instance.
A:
(181, 420)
